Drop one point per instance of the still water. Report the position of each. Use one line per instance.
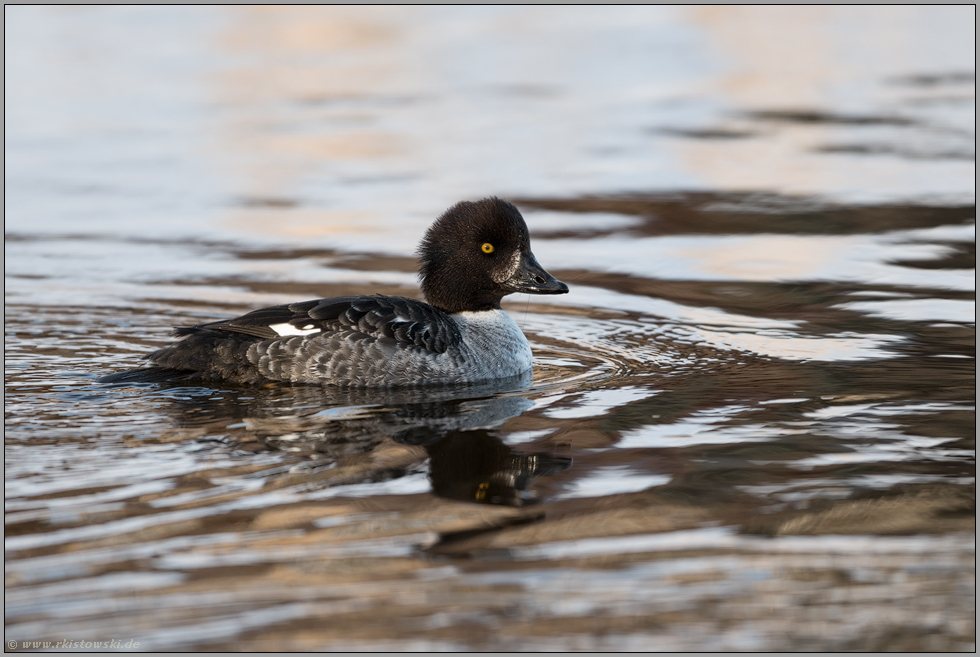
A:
(750, 424)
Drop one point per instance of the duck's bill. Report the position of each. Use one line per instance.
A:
(531, 278)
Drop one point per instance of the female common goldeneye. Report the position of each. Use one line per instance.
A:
(470, 258)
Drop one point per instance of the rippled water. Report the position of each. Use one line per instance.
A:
(751, 424)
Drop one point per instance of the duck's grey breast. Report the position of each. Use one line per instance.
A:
(494, 344)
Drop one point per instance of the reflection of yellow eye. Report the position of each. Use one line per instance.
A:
(487, 247)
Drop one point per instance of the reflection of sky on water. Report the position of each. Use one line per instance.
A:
(704, 428)
(595, 402)
(865, 259)
(840, 487)
(593, 297)
(918, 310)
(781, 344)
(612, 480)
(718, 537)
(542, 222)
(352, 127)
(776, 342)
(821, 57)
(412, 484)
(867, 440)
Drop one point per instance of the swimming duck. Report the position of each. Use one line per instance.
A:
(475, 254)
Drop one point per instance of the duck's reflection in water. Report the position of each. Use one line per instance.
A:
(476, 466)
(342, 427)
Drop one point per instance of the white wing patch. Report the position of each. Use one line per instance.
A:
(288, 329)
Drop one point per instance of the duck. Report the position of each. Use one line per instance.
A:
(470, 258)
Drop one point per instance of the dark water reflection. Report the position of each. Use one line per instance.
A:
(479, 467)
(751, 423)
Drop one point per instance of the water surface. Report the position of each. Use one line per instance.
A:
(750, 424)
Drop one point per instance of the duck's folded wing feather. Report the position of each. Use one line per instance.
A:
(407, 321)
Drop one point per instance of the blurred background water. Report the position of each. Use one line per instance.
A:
(751, 422)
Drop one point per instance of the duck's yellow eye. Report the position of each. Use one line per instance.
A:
(487, 247)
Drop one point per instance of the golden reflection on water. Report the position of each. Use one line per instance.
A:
(295, 90)
(804, 59)
(778, 57)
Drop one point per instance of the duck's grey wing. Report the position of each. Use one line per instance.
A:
(407, 321)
